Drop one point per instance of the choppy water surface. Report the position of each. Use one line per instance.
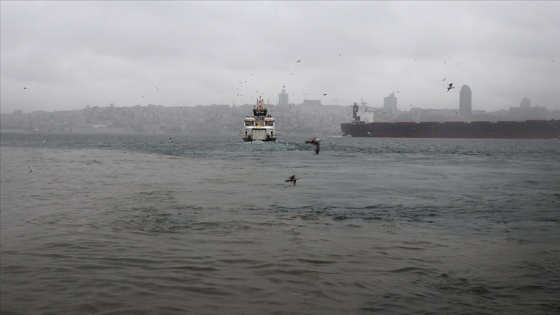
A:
(131, 224)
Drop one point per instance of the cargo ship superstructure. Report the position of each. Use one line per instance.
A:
(528, 129)
(260, 126)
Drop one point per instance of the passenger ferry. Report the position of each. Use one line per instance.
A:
(260, 126)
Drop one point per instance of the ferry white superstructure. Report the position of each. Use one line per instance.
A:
(260, 126)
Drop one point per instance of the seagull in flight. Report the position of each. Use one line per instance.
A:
(450, 87)
(31, 169)
(316, 143)
(298, 61)
(292, 179)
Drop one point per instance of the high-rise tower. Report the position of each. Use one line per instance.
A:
(465, 103)
(390, 103)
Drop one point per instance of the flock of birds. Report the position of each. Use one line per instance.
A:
(315, 142)
(450, 86)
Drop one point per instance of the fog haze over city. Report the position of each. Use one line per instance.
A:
(68, 55)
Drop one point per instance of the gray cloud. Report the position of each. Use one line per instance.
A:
(71, 54)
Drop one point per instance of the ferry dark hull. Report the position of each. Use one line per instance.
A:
(530, 129)
(246, 139)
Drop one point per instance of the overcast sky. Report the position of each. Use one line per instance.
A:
(70, 54)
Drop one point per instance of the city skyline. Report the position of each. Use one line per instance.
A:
(388, 105)
(67, 55)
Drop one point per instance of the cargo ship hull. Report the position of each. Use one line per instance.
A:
(530, 129)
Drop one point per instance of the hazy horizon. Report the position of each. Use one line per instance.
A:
(67, 55)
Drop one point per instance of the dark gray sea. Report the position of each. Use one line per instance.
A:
(136, 224)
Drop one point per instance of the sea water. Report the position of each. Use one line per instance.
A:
(145, 224)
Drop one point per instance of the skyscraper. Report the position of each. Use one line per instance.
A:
(465, 103)
(390, 103)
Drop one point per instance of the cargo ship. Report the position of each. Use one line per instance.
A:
(529, 129)
(260, 126)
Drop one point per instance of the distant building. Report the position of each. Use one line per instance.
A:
(283, 98)
(390, 104)
(465, 103)
(312, 103)
(528, 113)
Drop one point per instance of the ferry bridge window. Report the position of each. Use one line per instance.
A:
(269, 123)
(248, 123)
